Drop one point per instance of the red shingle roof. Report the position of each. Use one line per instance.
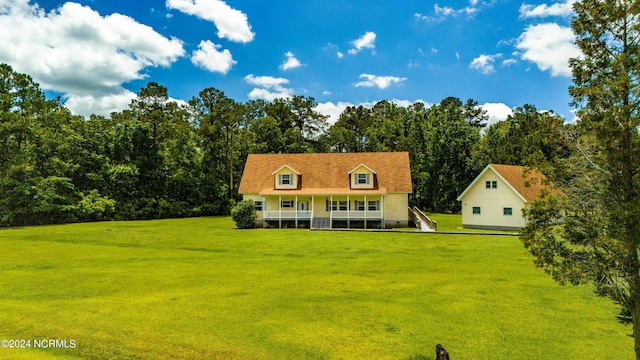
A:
(327, 173)
(526, 181)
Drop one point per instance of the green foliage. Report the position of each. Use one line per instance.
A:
(93, 207)
(593, 233)
(244, 214)
(160, 159)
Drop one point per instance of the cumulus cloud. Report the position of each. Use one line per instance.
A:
(441, 13)
(208, 57)
(543, 10)
(447, 11)
(484, 63)
(291, 63)
(332, 110)
(366, 41)
(549, 46)
(496, 112)
(268, 87)
(232, 24)
(381, 82)
(83, 55)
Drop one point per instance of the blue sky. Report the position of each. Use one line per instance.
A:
(97, 54)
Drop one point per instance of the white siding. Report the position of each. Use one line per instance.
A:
(492, 203)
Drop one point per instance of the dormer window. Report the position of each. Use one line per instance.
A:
(285, 179)
(363, 179)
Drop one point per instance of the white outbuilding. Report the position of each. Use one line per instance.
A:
(495, 199)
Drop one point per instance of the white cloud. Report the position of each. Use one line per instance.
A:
(268, 87)
(208, 57)
(332, 110)
(543, 10)
(509, 62)
(484, 63)
(549, 46)
(291, 62)
(81, 54)
(381, 82)
(444, 12)
(447, 11)
(103, 105)
(232, 24)
(366, 41)
(496, 112)
(419, 16)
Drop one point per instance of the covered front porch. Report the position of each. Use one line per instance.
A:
(322, 211)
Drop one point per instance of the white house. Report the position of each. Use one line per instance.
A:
(329, 190)
(495, 199)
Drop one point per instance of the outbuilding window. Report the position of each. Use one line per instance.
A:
(476, 210)
(507, 211)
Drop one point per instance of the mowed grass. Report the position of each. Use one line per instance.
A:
(199, 289)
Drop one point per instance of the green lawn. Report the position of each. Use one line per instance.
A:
(199, 289)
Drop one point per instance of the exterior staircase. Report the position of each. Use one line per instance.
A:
(422, 221)
(321, 223)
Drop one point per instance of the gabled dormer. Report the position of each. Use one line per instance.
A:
(362, 177)
(286, 178)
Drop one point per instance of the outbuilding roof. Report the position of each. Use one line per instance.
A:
(524, 181)
(327, 173)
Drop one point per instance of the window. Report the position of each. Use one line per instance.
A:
(487, 184)
(491, 184)
(258, 205)
(285, 179)
(476, 210)
(494, 184)
(286, 204)
(507, 211)
(331, 205)
(362, 179)
(360, 205)
(343, 206)
(374, 205)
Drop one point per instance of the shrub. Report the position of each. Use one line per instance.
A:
(244, 214)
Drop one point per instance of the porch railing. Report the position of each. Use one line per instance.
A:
(355, 215)
(287, 214)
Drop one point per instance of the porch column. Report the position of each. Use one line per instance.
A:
(280, 211)
(296, 209)
(330, 211)
(382, 211)
(366, 208)
(312, 209)
(348, 212)
(264, 211)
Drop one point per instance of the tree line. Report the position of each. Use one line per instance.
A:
(161, 159)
